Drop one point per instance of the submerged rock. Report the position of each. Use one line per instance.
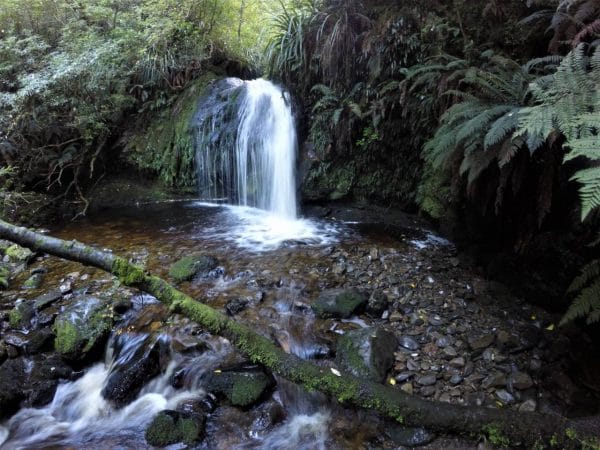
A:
(170, 427)
(82, 328)
(340, 303)
(367, 353)
(194, 265)
(410, 437)
(137, 361)
(21, 316)
(18, 254)
(241, 386)
(12, 376)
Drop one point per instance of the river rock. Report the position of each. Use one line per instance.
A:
(377, 304)
(408, 343)
(45, 373)
(19, 254)
(243, 386)
(21, 316)
(191, 266)
(427, 380)
(367, 353)
(82, 328)
(34, 281)
(520, 380)
(409, 437)
(46, 299)
(481, 342)
(12, 377)
(135, 365)
(170, 427)
(4, 275)
(340, 303)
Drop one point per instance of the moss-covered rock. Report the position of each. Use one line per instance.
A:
(367, 353)
(20, 316)
(34, 281)
(189, 266)
(241, 387)
(82, 328)
(19, 254)
(161, 141)
(4, 276)
(341, 303)
(170, 427)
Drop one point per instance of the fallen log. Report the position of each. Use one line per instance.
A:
(501, 426)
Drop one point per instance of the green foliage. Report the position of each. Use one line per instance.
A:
(587, 301)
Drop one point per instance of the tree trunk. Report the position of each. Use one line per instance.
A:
(500, 425)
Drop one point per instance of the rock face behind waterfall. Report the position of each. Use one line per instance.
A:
(245, 143)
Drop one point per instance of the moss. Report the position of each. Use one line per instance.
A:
(162, 142)
(495, 436)
(338, 303)
(187, 267)
(433, 194)
(15, 317)
(170, 427)
(19, 254)
(247, 389)
(67, 338)
(128, 274)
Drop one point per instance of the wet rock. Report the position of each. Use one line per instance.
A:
(45, 373)
(504, 396)
(377, 304)
(481, 342)
(444, 341)
(427, 391)
(409, 437)
(186, 343)
(191, 266)
(435, 320)
(396, 316)
(33, 342)
(450, 352)
(34, 281)
(494, 380)
(121, 305)
(520, 380)
(341, 303)
(427, 380)
(408, 343)
(456, 379)
(136, 363)
(46, 299)
(20, 317)
(268, 415)
(242, 386)
(82, 328)
(12, 376)
(457, 362)
(170, 427)
(408, 388)
(236, 306)
(367, 353)
(528, 406)
(4, 276)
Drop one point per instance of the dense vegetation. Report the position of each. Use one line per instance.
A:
(484, 114)
(459, 104)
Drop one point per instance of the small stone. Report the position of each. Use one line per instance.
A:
(396, 316)
(413, 365)
(401, 377)
(493, 355)
(504, 396)
(443, 342)
(408, 388)
(408, 342)
(457, 362)
(456, 379)
(535, 365)
(450, 352)
(436, 320)
(520, 380)
(445, 397)
(427, 391)
(410, 437)
(528, 406)
(481, 342)
(427, 380)
(493, 380)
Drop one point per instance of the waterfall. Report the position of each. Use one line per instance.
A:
(245, 142)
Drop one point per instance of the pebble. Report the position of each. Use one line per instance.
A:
(505, 396)
(456, 379)
(528, 406)
(427, 391)
(457, 362)
(520, 380)
(481, 342)
(427, 380)
(450, 352)
(408, 388)
(408, 342)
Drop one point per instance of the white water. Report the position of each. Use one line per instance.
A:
(246, 146)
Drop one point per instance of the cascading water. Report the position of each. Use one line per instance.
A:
(245, 142)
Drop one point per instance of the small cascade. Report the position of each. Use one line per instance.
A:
(245, 140)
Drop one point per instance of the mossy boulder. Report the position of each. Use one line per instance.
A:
(367, 353)
(21, 315)
(83, 328)
(242, 387)
(170, 427)
(19, 254)
(34, 281)
(193, 265)
(339, 303)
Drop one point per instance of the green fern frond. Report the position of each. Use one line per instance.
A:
(589, 192)
(590, 272)
(587, 303)
(501, 128)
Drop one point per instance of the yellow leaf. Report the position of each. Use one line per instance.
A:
(218, 371)
(533, 317)
(550, 327)
(392, 381)
(336, 372)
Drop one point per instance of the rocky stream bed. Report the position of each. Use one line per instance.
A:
(88, 363)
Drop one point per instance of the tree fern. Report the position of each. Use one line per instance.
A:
(587, 302)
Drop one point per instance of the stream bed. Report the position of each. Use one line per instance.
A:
(450, 335)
